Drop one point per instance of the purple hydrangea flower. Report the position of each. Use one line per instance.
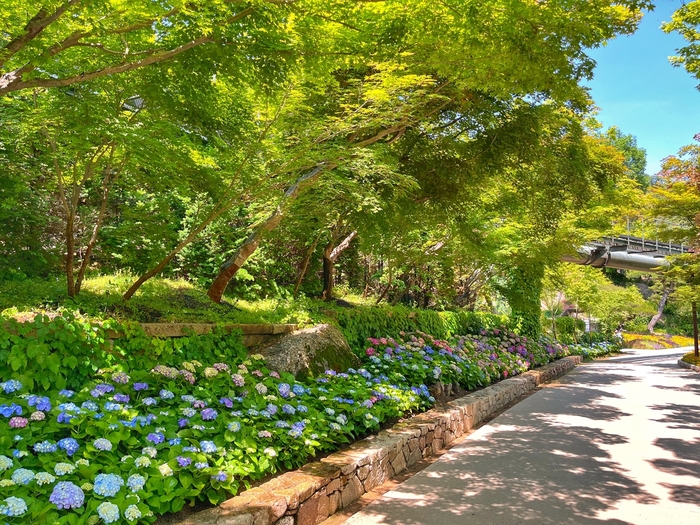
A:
(182, 423)
(121, 398)
(227, 402)
(198, 403)
(284, 389)
(18, 422)
(140, 386)
(288, 409)
(209, 414)
(66, 495)
(156, 438)
(183, 461)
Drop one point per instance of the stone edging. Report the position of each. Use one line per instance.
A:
(689, 366)
(311, 494)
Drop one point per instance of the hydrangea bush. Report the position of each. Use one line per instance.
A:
(129, 446)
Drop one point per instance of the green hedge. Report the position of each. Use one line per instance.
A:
(360, 323)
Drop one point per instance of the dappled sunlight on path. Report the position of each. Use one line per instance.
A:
(615, 442)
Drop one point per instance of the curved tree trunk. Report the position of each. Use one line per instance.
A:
(330, 256)
(659, 311)
(305, 265)
(234, 263)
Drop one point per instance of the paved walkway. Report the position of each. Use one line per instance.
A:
(615, 441)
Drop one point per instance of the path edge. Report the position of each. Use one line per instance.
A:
(309, 495)
(689, 366)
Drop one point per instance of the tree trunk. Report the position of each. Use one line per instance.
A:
(662, 303)
(328, 267)
(234, 263)
(70, 252)
(695, 329)
(330, 256)
(305, 265)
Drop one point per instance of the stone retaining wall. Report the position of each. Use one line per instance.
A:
(689, 366)
(309, 495)
(254, 335)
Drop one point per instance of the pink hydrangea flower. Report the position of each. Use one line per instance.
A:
(18, 422)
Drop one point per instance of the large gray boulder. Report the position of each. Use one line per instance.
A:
(310, 352)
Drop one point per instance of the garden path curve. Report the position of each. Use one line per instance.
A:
(615, 441)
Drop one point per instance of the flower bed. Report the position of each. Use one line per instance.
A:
(129, 446)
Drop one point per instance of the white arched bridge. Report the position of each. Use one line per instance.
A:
(626, 253)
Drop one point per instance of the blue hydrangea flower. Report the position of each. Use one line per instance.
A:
(11, 386)
(190, 449)
(271, 409)
(41, 403)
(108, 485)
(281, 424)
(13, 507)
(112, 407)
(201, 465)
(90, 405)
(22, 476)
(302, 408)
(135, 482)
(234, 426)
(298, 390)
(174, 441)
(149, 401)
(166, 394)
(66, 495)
(208, 447)
(220, 476)
(188, 412)
(188, 398)
(45, 447)
(288, 409)
(11, 410)
(102, 444)
(66, 393)
(140, 386)
(109, 512)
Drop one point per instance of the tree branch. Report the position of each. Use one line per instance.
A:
(33, 29)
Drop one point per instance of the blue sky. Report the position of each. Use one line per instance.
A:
(638, 90)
